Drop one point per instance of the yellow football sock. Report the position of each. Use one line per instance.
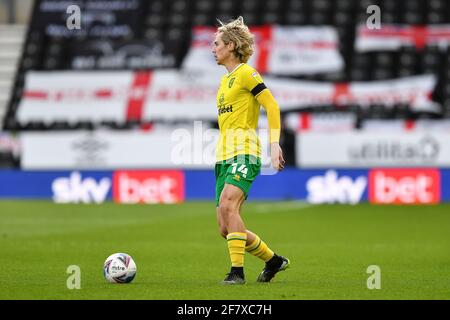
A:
(236, 247)
(259, 249)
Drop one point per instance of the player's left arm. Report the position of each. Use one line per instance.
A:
(267, 100)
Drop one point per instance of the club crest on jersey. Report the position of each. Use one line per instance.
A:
(230, 84)
(221, 99)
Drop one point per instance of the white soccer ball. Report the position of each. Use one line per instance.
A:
(119, 268)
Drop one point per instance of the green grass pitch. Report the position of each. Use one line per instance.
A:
(179, 254)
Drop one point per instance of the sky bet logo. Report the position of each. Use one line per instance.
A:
(148, 186)
(75, 189)
(404, 186)
(330, 188)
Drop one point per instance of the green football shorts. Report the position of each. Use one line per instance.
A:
(239, 171)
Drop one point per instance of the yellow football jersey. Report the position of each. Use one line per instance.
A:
(238, 112)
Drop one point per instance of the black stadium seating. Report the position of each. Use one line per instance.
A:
(171, 23)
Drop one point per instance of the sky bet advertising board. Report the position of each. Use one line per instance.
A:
(377, 186)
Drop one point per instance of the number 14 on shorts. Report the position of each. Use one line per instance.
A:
(242, 169)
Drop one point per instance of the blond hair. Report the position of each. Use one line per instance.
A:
(237, 32)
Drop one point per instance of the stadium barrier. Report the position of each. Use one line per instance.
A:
(371, 148)
(189, 147)
(346, 186)
(193, 147)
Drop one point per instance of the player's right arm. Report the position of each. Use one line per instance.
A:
(267, 100)
(255, 84)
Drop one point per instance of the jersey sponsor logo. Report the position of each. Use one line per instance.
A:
(404, 186)
(76, 189)
(165, 186)
(224, 109)
(331, 188)
(230, 83)
(237, 177)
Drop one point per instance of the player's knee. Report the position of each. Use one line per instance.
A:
(223, 231)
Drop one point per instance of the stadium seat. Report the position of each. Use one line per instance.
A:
(226, 7)
(250, 6)
(153, 33)
(201, 19)
(178, 20)
(357, 74)
(408, 59)
(320, 18)
(343, 18)
(385, 59)
(179, 6)
(296, 18)
(204, 6)
(157, 6)
(155, 20)
(296, 6)
(431, 60)
(382, 73)
(51, 63)
(405, 72)
(271, 18)
(29, 63)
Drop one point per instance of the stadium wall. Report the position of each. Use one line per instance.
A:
(349, 186)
